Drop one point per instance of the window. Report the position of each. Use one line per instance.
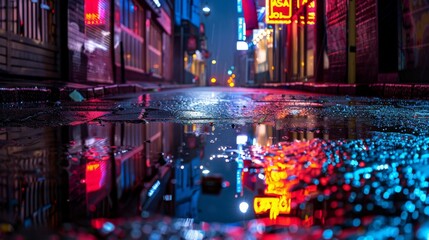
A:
(3, 15)
(132, 16)
(132, 20)
(33, 19)
(155, 50)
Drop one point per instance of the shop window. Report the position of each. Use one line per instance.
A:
(132, 16)
(155, 50)
(132, 20)
(31, 19)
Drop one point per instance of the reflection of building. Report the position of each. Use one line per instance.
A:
(137, 151)
(64, 174)
(188, 175)
(29, 188)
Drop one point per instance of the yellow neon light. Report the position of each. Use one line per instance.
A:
(92, 166)
(275, 179)
(278, 11)
(275, 205)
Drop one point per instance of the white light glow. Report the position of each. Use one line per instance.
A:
(242, 46)
(241, 139)
(206, 171)
(157, 3)
(244, 206)
(206, 9)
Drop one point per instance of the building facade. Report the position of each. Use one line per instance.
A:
(190, 43)
(29, 34)
(82, 41)
(391, 43)
(120, 41)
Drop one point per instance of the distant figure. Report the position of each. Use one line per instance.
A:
(83, 64)
(161, 159)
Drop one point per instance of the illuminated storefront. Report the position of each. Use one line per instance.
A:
(131, 34)
(301, 41)
(263, 57)
(141, 41)
(89, 41)
(290, 48)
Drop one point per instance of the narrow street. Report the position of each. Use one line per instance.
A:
(216, 162)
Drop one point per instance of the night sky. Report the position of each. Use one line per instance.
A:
(221, 31)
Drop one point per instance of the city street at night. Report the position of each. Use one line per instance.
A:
(213, 163)
(214, 119)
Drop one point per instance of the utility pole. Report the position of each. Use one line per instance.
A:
(351, 42)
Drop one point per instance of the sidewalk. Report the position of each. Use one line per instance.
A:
(53, 94)
(385, 90)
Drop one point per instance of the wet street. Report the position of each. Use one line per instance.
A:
(216, 163)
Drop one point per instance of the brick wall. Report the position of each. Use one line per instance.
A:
(414, 46)
(366, 40)
(336, 40)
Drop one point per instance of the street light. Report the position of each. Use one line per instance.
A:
(206, 10)
(244, 206)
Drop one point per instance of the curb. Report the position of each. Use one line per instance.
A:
(386, 90)
(35, 95)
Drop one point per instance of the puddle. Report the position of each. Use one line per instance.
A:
(292, 168)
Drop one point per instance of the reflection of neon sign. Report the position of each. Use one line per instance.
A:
(278, 11)
(276, 184)
(275, 179)
(311, 11)
(275, 205)
(153, 189)
(94, 12)
(93, 177)
(92, 166)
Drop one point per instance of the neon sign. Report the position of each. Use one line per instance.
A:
(94, 13)
(278, 11)
(275, 205)
(241, 29)
(93, 177)
(311, 11)
(282, 11)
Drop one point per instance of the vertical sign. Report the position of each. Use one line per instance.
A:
(241, 29)
(311, 11)
(239, 6)
(278, 11)
(94, 13)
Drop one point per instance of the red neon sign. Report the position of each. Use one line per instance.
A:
(94, 12)
(278, 11)
(311, 11)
